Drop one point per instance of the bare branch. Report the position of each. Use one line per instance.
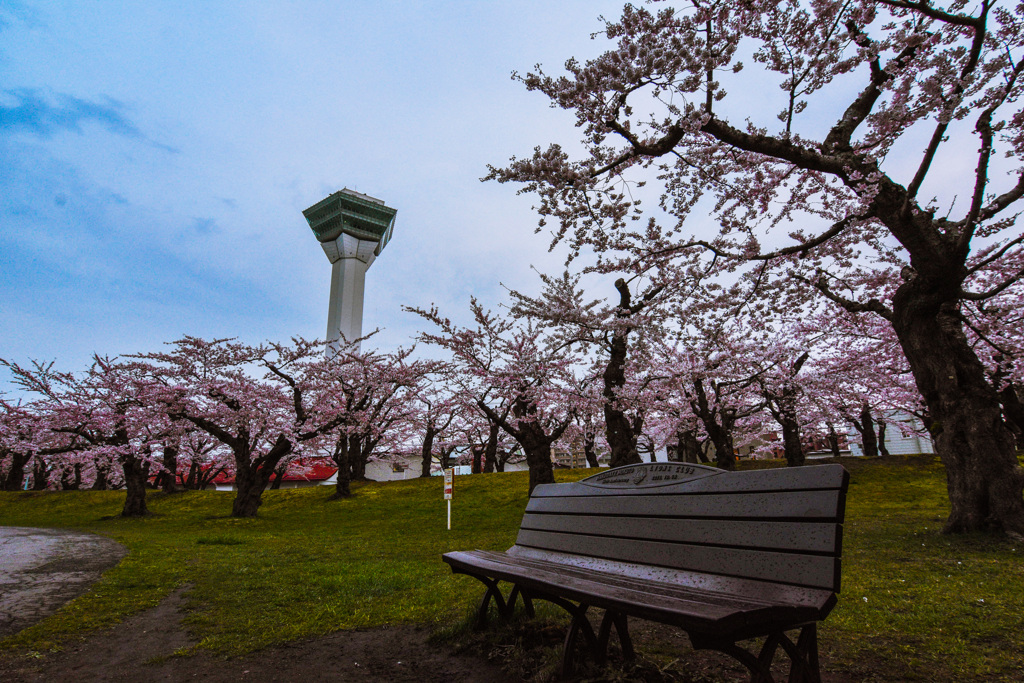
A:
(838, 139)
(958, 90)
(997, 255)
(871, 306)
(988, 294)
(926, 9)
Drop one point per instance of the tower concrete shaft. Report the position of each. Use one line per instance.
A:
(352, 229)
(350, 259)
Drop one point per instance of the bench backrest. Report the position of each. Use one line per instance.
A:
(779, 525)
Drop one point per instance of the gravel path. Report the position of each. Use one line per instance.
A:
(41, 569)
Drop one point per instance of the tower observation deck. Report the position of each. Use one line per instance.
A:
(353, 230)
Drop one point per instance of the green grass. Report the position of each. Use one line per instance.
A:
(915, 604)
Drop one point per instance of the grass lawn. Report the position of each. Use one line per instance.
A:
(915, 604)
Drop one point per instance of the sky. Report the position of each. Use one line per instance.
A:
(155, 158)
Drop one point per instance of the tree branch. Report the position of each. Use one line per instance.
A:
(926, 9)
(872, 306)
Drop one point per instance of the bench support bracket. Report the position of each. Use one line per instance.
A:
(505, 607)
(803, 654)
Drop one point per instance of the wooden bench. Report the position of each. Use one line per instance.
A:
(725, 556)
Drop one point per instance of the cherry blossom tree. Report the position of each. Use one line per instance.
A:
(995, 329)
(103, 415)
(200, 460)
(372, 394)
(518, 364)
(561, 306)
(889, 110)
(18, 424)
(437, 410)
(706, 373)
(262, 402)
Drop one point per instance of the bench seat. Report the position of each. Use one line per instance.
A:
(672, 599)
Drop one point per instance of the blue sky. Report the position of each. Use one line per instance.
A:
(156, 157)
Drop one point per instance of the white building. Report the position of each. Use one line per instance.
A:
(904, 435)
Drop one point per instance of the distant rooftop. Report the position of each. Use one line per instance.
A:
(352, 213)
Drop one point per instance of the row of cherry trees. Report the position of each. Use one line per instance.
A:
(201, 408)
(552, 370)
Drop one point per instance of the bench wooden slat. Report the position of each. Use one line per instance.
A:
(812, 537)
(747, 589)
(795, 569)
(708, 480)
(711, 612)
(822, 505)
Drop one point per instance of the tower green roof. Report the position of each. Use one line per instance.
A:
(352, 213)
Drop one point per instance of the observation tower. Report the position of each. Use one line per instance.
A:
(353, 229)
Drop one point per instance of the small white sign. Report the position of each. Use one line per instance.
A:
(449, 477)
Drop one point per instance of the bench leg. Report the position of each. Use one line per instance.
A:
(492, 593)
(621, 624)
(803, 655)
(760, 672)
(579, 624)
(518, 592)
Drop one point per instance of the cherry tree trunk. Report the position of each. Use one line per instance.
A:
(491, 451)
(252, 477)
(537, 446)
(275, 484)
(882, 448)
(191, 481)
(250, 483)
(590, 449)
(619, 431)
(342, 484)
(984, 479)
(725, 451)
(358, 455)
(71, 479)
(206, 480)
(168, 480)
(426, 452)
(866, 427)
(16, 473)
(621, 441)
(1013, 411)
(100, 482)
(135, 487)
(687, 446)
(791, 445)
(446, 457)
(40, 475)
(718, 423)
(833, 440)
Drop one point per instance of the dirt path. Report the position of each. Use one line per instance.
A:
(141, 648)
(42, 569)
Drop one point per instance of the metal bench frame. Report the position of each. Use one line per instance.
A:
(725, 556)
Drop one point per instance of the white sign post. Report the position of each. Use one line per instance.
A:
(449, 476)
